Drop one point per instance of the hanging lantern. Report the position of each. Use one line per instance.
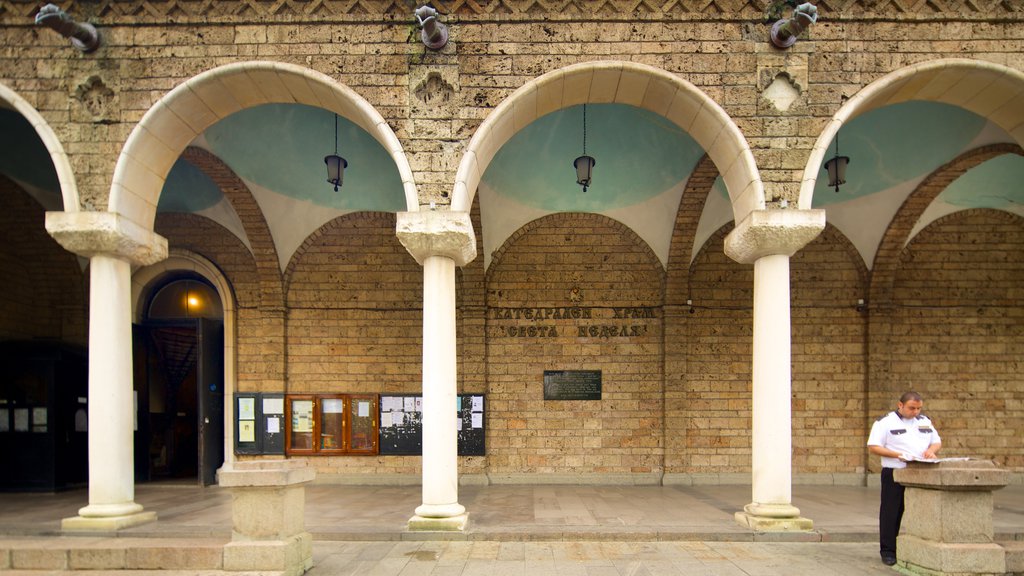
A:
(836, 167)
(584, 164)
(335, 164)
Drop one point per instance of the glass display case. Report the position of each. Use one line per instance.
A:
(331, 424)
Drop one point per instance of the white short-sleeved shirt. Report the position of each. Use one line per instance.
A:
(910, 435)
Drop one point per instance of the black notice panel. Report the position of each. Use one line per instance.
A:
(272, 423)
(470, 409)
(259, 423)
(401, 424)
(247, 437)
(572, 384)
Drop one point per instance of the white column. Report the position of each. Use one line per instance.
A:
(767, 239)
(112, 243)
(439, 241)
(772, 428)
(111, 402)
(440, 442)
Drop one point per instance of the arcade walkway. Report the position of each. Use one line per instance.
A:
(563, 530)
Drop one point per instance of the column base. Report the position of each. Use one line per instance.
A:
(773, 518)
(105, 523)
(448, 524)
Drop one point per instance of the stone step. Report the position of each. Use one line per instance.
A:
(110, 554)
(1014, 556)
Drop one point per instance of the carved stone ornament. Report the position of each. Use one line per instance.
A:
(96, 97)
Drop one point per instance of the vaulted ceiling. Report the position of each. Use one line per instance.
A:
(643, 163)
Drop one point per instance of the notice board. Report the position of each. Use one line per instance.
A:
(401, 424)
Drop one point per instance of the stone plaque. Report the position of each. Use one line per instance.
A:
(572, 384)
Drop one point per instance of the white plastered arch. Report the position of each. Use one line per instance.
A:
(618, 82)
(989, 90)
(61, 164)
(181, 260)
(189, 109)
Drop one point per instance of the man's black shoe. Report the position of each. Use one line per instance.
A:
(888, 560)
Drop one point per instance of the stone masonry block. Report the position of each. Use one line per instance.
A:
(952, 558)
(97, 558)
(257, 517)
(39, 559)
(949, 516)
(171, 557)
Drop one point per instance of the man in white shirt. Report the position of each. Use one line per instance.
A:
(899, 437)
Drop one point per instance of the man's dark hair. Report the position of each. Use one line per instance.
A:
(908, 396)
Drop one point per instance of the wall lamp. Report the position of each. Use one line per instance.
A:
(785, 32)
(84, 36)
(433, 33)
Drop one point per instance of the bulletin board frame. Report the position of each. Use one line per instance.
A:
(401, 424)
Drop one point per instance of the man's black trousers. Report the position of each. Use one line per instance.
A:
(890, 513)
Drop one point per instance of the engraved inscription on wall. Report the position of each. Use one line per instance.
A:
(578, 321)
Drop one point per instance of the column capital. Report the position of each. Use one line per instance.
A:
(773, 232)
(93, 233)
(437, 233)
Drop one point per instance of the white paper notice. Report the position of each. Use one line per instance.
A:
(478, 420)
(419, 404)
(247, 409)
(364, 409)
(458, 424)
(398, 418)
(273, 425)
(246, 431)
(478, 404)
(385, 420)
(273, 405)
(333, 406)
(410, 404)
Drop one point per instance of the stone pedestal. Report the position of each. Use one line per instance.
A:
(268, 502)
(947, 525)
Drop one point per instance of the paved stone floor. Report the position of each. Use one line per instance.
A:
(588, 558)
(535, 530)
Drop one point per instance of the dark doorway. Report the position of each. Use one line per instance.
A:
(179, 385)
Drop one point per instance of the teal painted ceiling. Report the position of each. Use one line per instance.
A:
(638, 155)
(188, 189)
(897, 144)
(643, 162)
(281, 147)
(998, 183)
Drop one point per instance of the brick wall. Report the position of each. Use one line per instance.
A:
(957, 332)
(829, 352)
(355, 321)
(712, 399)
(45, 290)
(592, 269)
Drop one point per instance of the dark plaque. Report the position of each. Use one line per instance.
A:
(572, 384)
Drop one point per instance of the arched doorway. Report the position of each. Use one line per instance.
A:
(179, 380)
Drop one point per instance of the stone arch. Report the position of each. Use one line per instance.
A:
(189, 109)
(61, 164)
(315, 238)
(579, 217)
(618, 82)
(992, 91)
(180, 260)
(699, 185)
(897, 233)
(253, 222)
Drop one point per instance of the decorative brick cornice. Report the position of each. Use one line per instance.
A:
(203, 11)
